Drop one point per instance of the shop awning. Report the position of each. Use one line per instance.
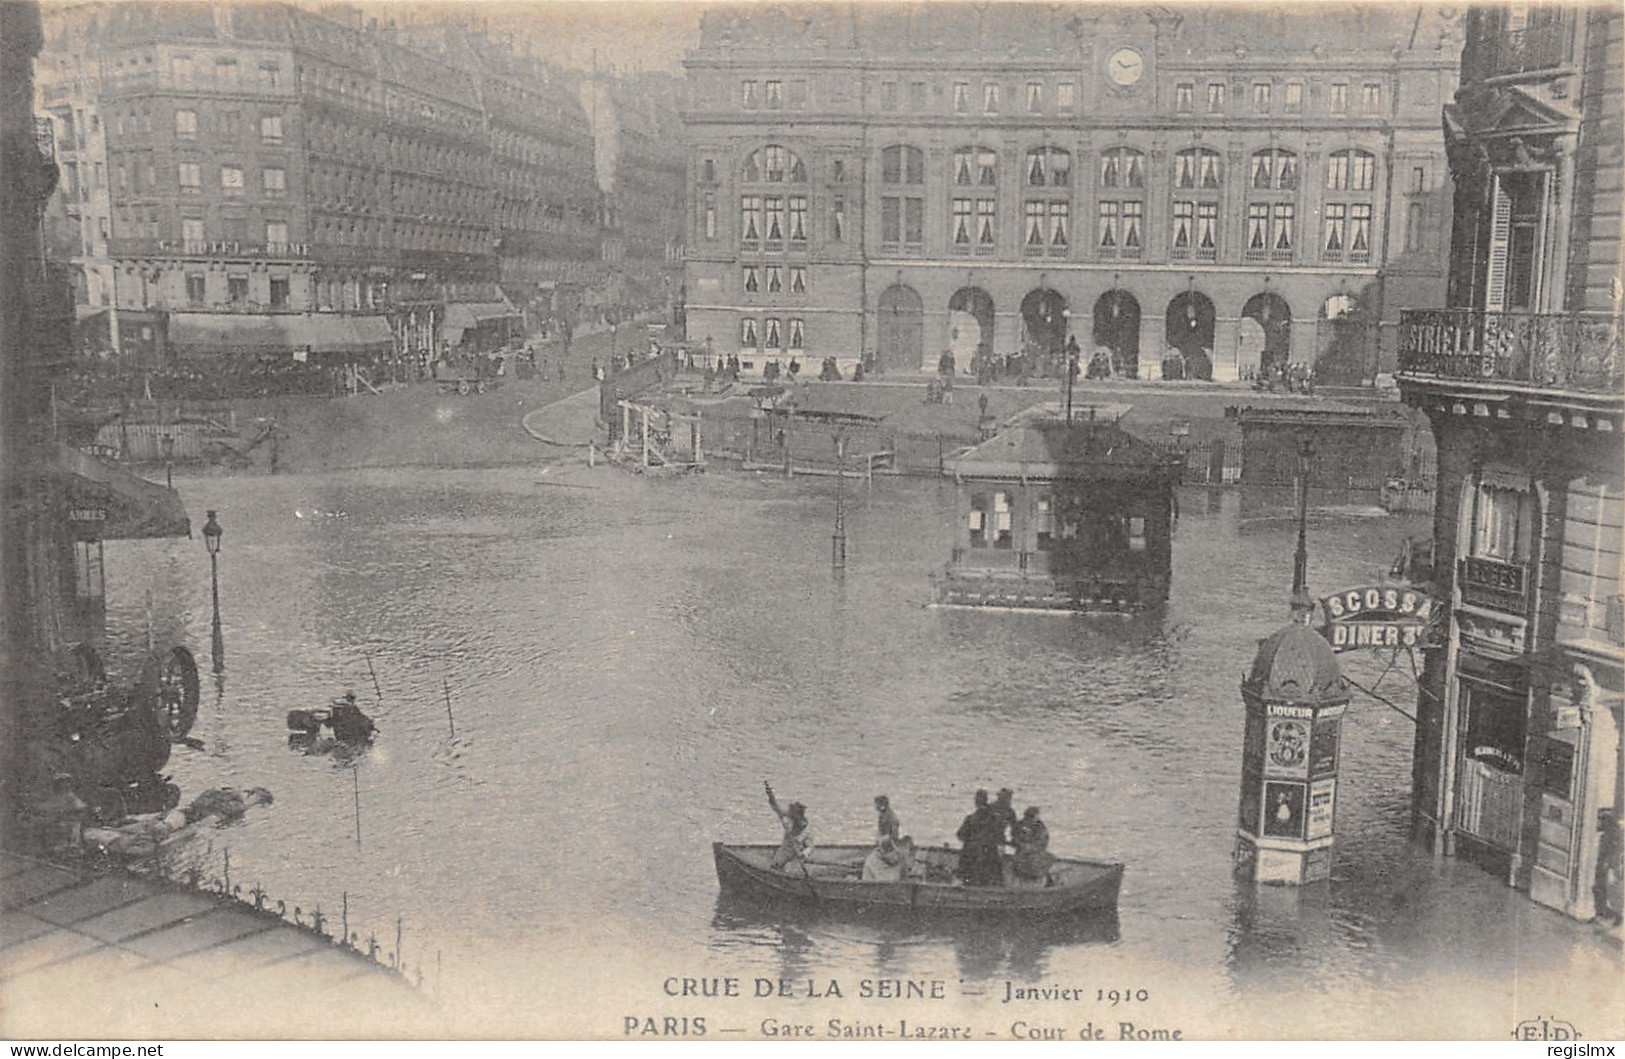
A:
(111, 504)
(213, 333)
(467, 316)
(340, 334)
(197, 333)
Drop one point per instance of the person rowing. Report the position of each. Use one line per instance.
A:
(797, 845)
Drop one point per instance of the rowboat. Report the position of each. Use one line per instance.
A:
(832, 879)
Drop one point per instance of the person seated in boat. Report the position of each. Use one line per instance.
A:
(797, 844)
(885, 863)
(1005, 809)
(1030, 867)
(349, 724)
(886, 825)
(980, 835)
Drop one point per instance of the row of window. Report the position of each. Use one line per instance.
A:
(773, 223)
(1273, 168)
(189, 176)
(772, 334)
(226, 125)
(774, 279)
(965, 99)
(990, 524)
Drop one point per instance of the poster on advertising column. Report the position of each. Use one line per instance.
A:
(1322, 796)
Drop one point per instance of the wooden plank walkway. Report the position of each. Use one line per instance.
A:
(114, 955)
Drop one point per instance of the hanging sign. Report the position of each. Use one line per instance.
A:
(1375, 616)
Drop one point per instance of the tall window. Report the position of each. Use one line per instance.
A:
(775, 279)
(1261, 97)
(975, 167)
(1371, 98)
(798, 333)
(990, 98)
(798, 219)
(1121, 212)
(1066, 95)
(1340, 99)
(750, 221)
(1184, 98)
(192, 232)
(186, 124)
(773, 94)
(961, 97)
(1271, 212)
(190, 179)
(902, 211)
(1035, 97)
(750, 279)
(1195, 232)
(1347, 231)
(1198, 167)
(1414, 226)
(271, 129)
(194, 288)
(276, 233)
(961, 225)
(708, 220)
(1350, 170)
(986, 225)
(774, 233)
(1215, 97)
(749, 336)
(798, 279)
(1293, 103)
(1049, 167)
(837, 218)
(274, 182)
(748, 97)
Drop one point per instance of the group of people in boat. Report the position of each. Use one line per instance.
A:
(991, 828)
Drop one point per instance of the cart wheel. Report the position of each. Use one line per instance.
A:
(462, 387)
(170, 683)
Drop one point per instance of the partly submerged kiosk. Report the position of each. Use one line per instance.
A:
(1062, 517)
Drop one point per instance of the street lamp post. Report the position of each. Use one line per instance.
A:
(211, 540)
(837, 555)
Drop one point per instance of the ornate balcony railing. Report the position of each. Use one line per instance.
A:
(1529, 50)
(1492, 583)
(1563, 351)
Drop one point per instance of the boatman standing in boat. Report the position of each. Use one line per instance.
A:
(797, 844)
(981, 833)
(887, 825)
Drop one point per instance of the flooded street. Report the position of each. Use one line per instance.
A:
(628, 659)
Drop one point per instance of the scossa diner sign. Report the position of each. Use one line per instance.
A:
(1375, 616)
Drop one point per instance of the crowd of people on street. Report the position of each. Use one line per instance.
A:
(991, 828)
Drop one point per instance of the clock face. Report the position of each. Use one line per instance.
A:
(1125, 66)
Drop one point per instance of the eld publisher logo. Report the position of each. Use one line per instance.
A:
(1545, 1029)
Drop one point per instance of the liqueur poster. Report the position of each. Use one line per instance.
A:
(498, 491)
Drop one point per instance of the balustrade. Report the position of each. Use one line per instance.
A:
(1565, 351)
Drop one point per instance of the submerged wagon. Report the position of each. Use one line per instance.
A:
(832, 880)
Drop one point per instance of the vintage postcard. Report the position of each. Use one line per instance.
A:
(835, 521)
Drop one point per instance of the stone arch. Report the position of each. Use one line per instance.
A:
(970, 325)
(1273, 316)
(1116, 336)
(1044, 321)
(1188, 337)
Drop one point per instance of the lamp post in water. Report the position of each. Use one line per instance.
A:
(211, 540)
(837, 556)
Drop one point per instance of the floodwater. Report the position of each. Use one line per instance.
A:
(626, 660)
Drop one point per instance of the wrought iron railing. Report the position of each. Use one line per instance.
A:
(1493, 583)
(1565, 351)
